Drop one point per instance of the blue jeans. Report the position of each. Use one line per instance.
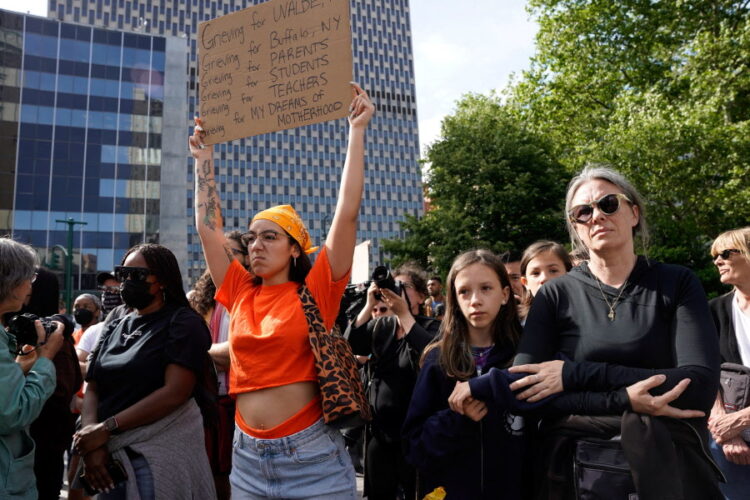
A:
(312, 464)
(738, 476)
(143, 478)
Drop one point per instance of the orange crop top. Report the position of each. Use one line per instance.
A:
(268, 333)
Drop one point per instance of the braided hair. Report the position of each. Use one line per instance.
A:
(163, 264)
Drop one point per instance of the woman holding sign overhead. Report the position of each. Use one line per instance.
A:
(282, 448)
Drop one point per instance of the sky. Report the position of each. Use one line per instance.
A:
(474, 48)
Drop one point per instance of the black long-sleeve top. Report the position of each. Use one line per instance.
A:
(393, 366)
(662, 326)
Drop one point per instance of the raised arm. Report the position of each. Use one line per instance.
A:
(343, 233)
(208, 220)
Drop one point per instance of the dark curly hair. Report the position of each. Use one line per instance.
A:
(415, 273)
(203, 294)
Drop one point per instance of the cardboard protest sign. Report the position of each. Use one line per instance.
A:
(277, 65)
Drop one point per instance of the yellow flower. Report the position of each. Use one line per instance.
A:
(437, 494)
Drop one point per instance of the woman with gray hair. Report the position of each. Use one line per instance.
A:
(25, 382)
(634, 340)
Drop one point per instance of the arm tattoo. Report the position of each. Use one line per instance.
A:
(202, 176)
(205, 183)
(212, 210)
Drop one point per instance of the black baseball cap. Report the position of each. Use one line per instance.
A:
(104, 276)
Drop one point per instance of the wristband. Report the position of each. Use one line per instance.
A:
(111, 424)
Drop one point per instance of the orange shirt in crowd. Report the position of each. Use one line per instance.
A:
(268, 332)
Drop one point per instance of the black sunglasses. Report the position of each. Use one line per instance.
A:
(608, 205)
(381, 310)
(727, 253)
(123, 273)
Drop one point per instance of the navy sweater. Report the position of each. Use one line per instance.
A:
(471, 460)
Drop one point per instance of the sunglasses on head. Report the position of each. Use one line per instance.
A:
(608, 205)
(123, 273)
(727, 253)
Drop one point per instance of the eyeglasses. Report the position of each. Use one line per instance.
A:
(727, 253)
(381, 310)
(237, 251)
(608, 205)
(268, 236)
(123, 273)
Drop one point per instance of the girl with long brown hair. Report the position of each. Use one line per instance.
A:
(478, 451)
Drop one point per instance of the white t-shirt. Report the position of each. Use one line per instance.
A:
(90, 337)
(741, 323)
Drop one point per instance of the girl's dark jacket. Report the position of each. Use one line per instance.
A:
(471, 460)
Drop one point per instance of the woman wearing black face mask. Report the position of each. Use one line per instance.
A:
(139, 412)
(86, 311)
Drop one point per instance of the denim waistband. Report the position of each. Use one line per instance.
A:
(284, 444)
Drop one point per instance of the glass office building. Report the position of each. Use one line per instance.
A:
(300, 166)
(82, 129)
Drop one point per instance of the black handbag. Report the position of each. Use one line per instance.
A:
(601, 471)
(735, 390)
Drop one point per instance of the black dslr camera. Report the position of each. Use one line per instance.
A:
(383, 278)
(22, 327)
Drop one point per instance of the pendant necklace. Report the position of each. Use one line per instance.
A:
(132, 335)
(612, 305)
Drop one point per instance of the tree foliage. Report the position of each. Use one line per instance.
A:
(491, 182)
(660, 90)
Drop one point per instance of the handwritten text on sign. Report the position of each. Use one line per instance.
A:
(274, 66)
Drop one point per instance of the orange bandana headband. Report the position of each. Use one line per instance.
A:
(286, 217)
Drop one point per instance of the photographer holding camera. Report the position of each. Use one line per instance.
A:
(26, 381)
(394, 344)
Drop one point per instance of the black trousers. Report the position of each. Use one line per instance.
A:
(52, 439)
(386, 469)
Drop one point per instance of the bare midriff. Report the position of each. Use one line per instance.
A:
(267, 408)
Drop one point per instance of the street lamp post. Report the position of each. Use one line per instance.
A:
(69, 261)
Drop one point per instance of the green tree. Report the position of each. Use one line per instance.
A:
(660, 90)
(491, 182)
